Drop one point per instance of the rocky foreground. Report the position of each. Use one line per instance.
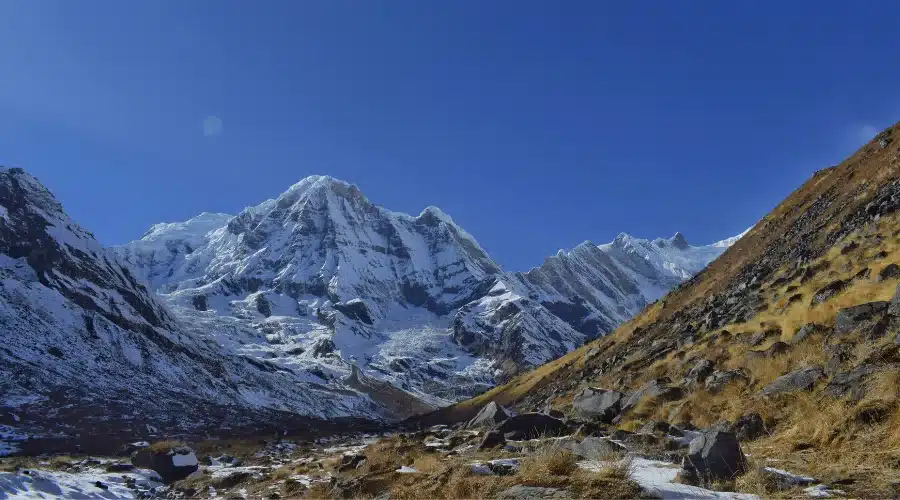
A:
(495, 455)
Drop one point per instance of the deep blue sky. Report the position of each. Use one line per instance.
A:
(536, 125)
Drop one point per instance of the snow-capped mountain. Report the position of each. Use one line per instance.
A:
(85, 338)
(321, 281)
(316, 303)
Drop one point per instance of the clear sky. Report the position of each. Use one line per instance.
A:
(535, 124)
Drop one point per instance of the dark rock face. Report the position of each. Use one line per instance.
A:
(798, 380)
(323, 348)
(534, 425)
(356, 310)
(199, 302)
(171, 465)
(600, 404)
(713, 456)
(263, 306)
(890, 272)
(719, 379)
(749, 427)
(869, 319)
(492, 439)
(489, 416)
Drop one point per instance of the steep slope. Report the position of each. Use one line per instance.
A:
(796, 325)
(322, 281)
(84, 342)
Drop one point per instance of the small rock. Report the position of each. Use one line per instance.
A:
(890, 272)
(602, 404)
(719, 379)
(798, 380)
(100, 485)
(828, 291)
(805, 331)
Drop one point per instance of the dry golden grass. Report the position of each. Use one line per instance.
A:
(164, 446)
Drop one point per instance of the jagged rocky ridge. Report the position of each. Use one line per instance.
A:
(321, 282)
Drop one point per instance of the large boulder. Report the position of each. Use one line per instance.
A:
(600, 404)
(533, 425)
(170, 462)
(798, 380)
(714, 455)
(850, 383)
(489, 416)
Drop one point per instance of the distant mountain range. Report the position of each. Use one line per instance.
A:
(316, 302)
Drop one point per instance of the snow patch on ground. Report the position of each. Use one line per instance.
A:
(41, 484)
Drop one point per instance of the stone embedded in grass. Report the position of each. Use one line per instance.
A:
(828, 291)
(598, 403)
(805, 331)
(890, 272)
(719, 379)
(870, 319)
(798, 380)
(714, 455)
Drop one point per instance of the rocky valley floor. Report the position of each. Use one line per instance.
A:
(496, 455)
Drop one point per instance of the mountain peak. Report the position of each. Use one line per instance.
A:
(679, 241)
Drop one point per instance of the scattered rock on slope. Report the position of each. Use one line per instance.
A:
(714, 455)
(489, 416)
(798, 380)
(601, 404)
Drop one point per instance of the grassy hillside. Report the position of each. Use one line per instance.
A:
(829, 246)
